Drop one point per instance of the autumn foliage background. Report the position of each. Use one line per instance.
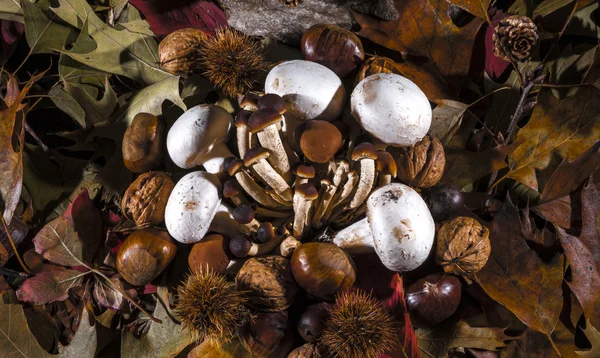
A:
(75, 73)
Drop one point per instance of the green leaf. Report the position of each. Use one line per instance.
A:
(96, 111)
(17, 341)
(66, 103)
(11, 10)
(150, 99)
(569, 68)
(120, 52)
(44, 31)
(164, 339)
(447, 119)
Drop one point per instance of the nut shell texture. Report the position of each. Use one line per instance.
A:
(268, 283)
(463, 246)
(196, 132)
(421, 165)
(178, 51)
(192, 206)
(310, 90)
(146, 198)
(402, 227)
(392, 108)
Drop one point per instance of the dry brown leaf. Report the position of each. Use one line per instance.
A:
(475, 7)
(516, 277)
(593, 336)
(582, 255)
(424, 29)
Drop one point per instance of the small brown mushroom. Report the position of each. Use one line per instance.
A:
(264, 123)
(256, 158)
(303, 172)
(250, 101)
(287, 246)
(272, 101)
(386, 167)
(324, 202)
(304, 196)
(318, 140)
(242, 246)
(235, 168)
(234, 192)
(244, 214)
(366, 154)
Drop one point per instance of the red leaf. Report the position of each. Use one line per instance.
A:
(494, 66)
(87, 222)
(386, 286)
(165, 17)
(49, 286)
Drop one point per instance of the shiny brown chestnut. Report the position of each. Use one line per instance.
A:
(144, 143)
(269, 335)
(212, 253)
(323, 269)
(434, 298)
(312, 320)
(336, 48)
(144, 255)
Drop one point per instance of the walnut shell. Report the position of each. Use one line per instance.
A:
(268, 283)
(463, 246)
(307, 350)
(145, 200)
(178, 51)
(422, 164)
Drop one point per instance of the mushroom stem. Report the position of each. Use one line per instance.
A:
(267, 213)
(213, 160)
(367, 179)
(268, 174)
(356, 239)
(304, 197)
(269, 138)
(287, 246)
(266, 248)
(254, 190)
(327, 197)
(384, 179)
(224, 223)
(342, 195)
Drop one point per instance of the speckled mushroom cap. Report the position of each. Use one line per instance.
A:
(310, 90)
(402, 227)
(391, 108)
(192, 206)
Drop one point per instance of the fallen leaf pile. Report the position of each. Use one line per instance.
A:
(521, 160)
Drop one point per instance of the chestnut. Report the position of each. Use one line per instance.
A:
(144, 255)
(144, 143)
(312, 320)
(445, 201)
(336, 48)
(212, 253)
(269, 335)
(323, 269)
(434, 298)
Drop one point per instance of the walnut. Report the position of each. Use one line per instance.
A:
(145, 200)
(421, 165)
(178, 52)
(268, 283)
(307, 350)
(463, 246)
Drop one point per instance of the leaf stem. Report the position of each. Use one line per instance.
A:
(29, 130)
(14, 247)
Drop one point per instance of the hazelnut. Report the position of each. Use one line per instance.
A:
(178, 51)
(268, 283)
(322, 269)
(144, 255)
(422, 164)
(211, 252)
(144, 143)
(463, 246)
(145, 200)
(269, 335)
(336, 48)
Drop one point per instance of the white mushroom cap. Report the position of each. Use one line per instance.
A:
(192, 206)
(198, 137)
(402, 227)
(310, 90)
(391, 108)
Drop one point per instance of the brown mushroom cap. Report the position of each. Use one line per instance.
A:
(253, 155)
(263, 118)
(211, 252)
(307, 191)
(231, 188)
(364, 151)
(265, 232)
(243, 214)
(240, 245)
(386, 164)
(304, 170)
(234, 166)
(272, 101)
(243, 118)
(318, 140)
(249, 101)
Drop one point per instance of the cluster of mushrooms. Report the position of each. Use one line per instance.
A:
(288, 192)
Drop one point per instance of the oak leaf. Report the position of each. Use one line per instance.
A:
(582, 255)
(516, 277)
(593, 336)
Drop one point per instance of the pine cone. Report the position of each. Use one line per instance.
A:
(514, 38)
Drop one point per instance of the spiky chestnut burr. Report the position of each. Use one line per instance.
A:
(358, 326)
(210, 306)
(231, 60)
